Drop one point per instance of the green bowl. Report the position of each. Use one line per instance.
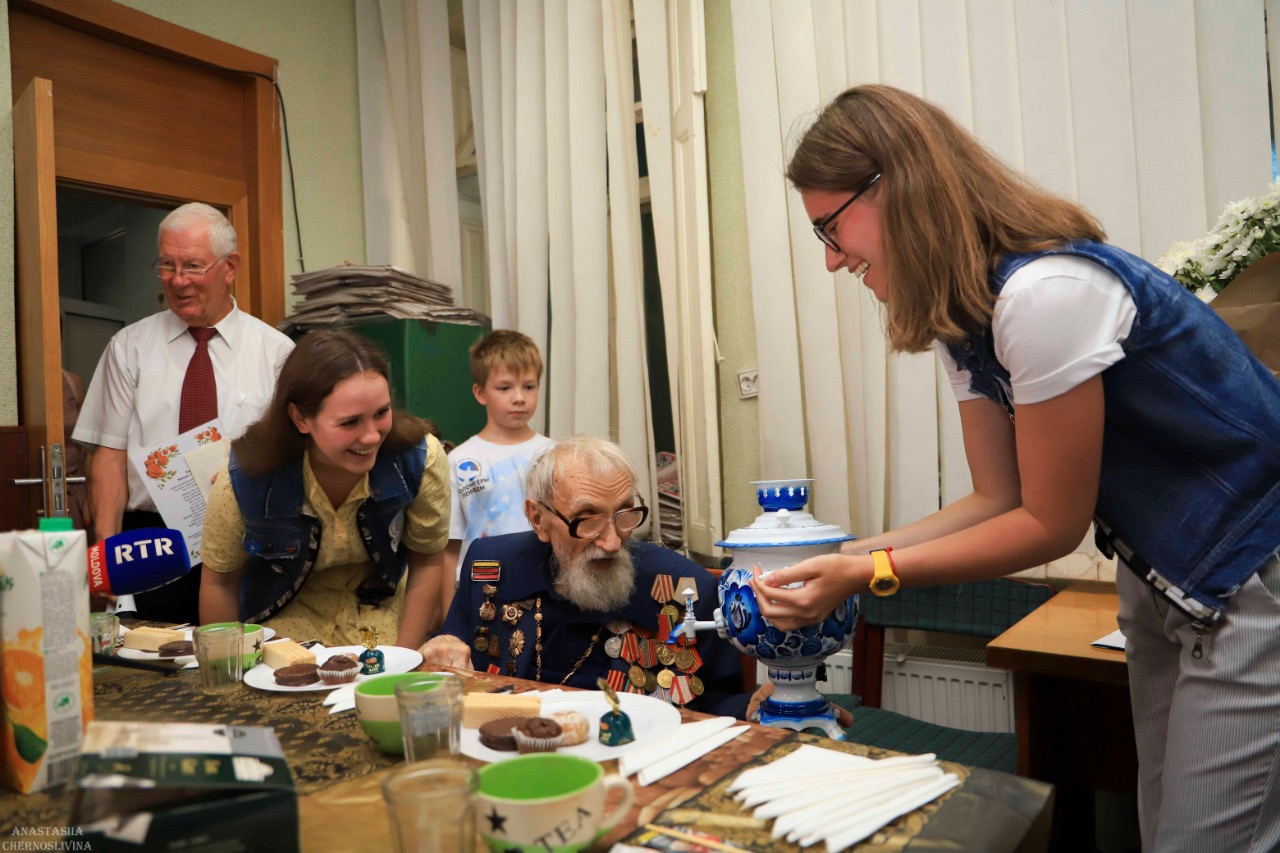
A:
(385, 734)
(377, 711)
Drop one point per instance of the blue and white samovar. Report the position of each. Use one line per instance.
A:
(783, 535)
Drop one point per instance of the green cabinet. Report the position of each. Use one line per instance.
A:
(431, 371)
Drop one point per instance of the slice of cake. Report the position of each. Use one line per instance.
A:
(282, 653)
(150, 639)
(481, 708)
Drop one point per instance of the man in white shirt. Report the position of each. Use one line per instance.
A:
(201, 358)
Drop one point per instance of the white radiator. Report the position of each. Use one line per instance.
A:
(950, 687)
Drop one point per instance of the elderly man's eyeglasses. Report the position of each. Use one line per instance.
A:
(167, 269)
(821, 227)
(591, 526)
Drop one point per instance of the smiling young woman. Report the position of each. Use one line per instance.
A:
(1091, 387)
(333, 510)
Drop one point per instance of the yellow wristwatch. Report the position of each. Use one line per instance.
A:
(885, 580)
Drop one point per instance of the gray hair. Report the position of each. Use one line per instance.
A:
(222, 235)
(600, 457)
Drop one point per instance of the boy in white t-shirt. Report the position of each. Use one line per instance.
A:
(487, 470)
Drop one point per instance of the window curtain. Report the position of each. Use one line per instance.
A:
(407, 138)
(1151, 114)
(553, 110)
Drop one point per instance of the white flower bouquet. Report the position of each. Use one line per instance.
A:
(1245, 232)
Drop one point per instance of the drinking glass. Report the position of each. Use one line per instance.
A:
(104, 628)
(220, 654)
(432, 808)
(430, 716)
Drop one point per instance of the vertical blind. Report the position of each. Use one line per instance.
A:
(1152, 114)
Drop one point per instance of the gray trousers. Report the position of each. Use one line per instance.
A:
(1207, 725)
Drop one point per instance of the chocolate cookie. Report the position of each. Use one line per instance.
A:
(498, 733)
(297, 675)
(176, 649)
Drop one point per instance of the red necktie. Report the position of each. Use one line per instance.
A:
(199, 389)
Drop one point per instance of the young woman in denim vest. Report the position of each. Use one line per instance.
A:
(1091, 386)
(333, 512)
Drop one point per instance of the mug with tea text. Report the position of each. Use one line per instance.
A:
(547, 801)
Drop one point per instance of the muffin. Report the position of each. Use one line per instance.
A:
(538, 734)
(497, 734)
(338, 669)
(297, 675)
(574, 725)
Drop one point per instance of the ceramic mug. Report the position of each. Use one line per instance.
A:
(252, 644)
(377, 710)
(547, 801)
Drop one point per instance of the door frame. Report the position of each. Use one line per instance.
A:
(36, 292)
(255, 206)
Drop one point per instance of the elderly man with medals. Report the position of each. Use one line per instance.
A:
(577, 599)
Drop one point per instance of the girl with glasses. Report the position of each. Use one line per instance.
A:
(1091, 387)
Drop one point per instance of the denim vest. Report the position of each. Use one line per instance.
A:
(282, 542)
(1189, 494)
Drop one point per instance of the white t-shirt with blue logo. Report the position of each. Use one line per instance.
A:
(488, 488)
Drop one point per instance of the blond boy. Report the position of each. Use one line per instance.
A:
(487, 470)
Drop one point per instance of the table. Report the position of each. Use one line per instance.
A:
(338, 773)
(1074, 723)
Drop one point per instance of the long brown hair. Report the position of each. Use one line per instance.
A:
(949, 208)
(320, 361)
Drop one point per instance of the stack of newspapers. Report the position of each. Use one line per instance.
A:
(348, 293)
(670, 501)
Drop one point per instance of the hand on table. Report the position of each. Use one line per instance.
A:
(843, 716)
(446, 650)
(826, 581)
(753, 707)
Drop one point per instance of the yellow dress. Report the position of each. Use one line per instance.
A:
(326, 608)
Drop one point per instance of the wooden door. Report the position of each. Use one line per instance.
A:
(151, 110)
(39, 334)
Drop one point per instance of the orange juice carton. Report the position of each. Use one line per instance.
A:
(46, 666)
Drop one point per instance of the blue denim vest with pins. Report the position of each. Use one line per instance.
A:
(282, 542)
(1190, 488)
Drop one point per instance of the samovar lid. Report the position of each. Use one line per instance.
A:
(784, 522)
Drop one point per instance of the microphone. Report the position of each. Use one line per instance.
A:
(137, 561)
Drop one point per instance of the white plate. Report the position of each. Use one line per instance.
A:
(651, 719)
(395, 658)
(138, 654)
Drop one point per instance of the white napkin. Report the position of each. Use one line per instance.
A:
(803, 791)
(341, 698)
(666, 766)
(345, 693)
(684, 737)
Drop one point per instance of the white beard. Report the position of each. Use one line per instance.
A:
(604, 587)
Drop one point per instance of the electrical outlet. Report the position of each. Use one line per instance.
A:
(748, 383)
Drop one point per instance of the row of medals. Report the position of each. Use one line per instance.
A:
(640, 679)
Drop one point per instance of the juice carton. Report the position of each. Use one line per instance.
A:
(46, 667)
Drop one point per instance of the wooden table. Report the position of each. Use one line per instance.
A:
(338, 772)
(1074, 723)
